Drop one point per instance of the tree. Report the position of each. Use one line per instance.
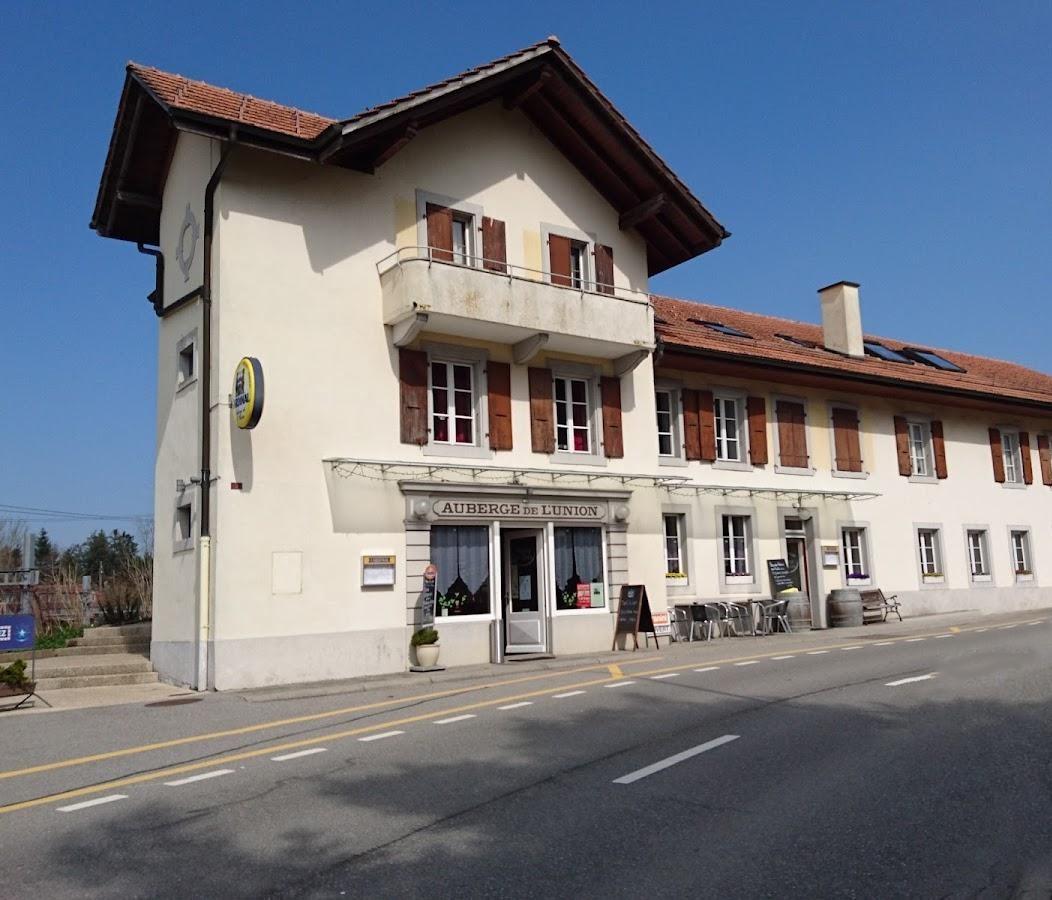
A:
(44, 553)
(11, 535)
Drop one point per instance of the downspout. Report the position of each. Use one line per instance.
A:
(157, 297)
(205, 510)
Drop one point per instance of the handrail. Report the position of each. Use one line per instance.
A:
(501, 269)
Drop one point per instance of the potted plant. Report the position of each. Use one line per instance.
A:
(425, 642)
(13, 681)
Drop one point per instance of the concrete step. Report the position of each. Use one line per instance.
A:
(68, 667)
(115, 645)
(108, 634)
(89, 650)
(83, 681)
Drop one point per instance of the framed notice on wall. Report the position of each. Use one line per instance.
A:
(378, 571)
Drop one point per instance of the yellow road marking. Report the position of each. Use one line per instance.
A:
(615, 671)
(306, 742)
(955, 629)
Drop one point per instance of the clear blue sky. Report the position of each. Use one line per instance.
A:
(902, 145)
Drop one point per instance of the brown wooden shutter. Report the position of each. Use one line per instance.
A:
(559, 259)
(440, 232)
(412, 376)
(1044, 455)
(542, 424)
(757, 410)
(902, 445)
(613, 440)
(792, 438)
(1024, 452)
(494, 245)
(997, 455)
(707, 419)
(604, 269)
(691, 425)
(845, 441)
(498, 380)
(938, 443)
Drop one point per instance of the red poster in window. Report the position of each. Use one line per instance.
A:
(584, 595)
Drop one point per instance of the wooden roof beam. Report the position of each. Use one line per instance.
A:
(514, 101)
(397, 142)
(131, 198)
(642, 211)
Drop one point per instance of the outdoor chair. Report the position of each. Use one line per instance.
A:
(706, 618)
(680, 622)
(738, 617)
(776, 613)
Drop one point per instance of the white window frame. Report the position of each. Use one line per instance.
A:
(1013, 460)
(919, 431)
(731, 584)
(1027, 548)
(590, 376)
(572, 425)
(468, 213)
(675, 393)
(450, 412)
(984, 550)
(861, 554)
(182, 380)
(678, 523)
(476, 358)
(791, 470)
(721, 400)
(937, 575)
(580, 238)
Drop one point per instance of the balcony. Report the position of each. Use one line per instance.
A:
(515, 306)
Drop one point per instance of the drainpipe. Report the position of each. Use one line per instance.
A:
(205, 510)
(157, 297)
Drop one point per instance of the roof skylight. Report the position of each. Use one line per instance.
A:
(931, 358)
(720, 328)
(800, 342)
(885, 353)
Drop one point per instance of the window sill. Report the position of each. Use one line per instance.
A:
(182, 547)
(464, 451)
(838, 474)
(982, 581)
(678, 461)
(1024, 579)
(1014, 485)
(932, 581)
(185, 383)
(923, 479)
(590, 611)
(677, 586)
(576, 459)
(790, 470)
(738, 584)
(859, 582)
(476, 617)
(732, 465)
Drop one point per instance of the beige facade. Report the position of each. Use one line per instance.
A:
(324, 275)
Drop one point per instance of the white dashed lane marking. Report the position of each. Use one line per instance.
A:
(98, 801)
(665, 675)
(567, 694)
(942, 636)
(380, 737)
(204, 776)
(910, 680)
(619, 683)
(707, 669)
(673, 760)
(913, 640)
(883, 643)
(516, 705)
(285, 757)
(748, 662)
(816, 652)
(856, 647)
(453, 719)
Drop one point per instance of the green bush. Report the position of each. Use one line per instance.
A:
(424, 636)
(14, 675)
(59, 636)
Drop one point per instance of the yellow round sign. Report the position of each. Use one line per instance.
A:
(248, 392)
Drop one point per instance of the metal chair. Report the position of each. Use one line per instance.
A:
(739, 618)
(680, 622)
(776, 613)
(706, 617)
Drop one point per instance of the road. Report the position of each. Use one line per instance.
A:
(912, 765)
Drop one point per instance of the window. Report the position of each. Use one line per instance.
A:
(579, 576)
(186, 360)
(873, 348)
(1021, 554)
(573, 415)
(800, 342)
(186, 363)
(720, 328)
(928, 548)
(978, 555)
(578, 264)
(666, 423)
(847, 443)
(920, 448)
(461, 554)
(675, 563)
(1012, 457)
(736, 546)
(728, 436)
(856, 565)
(452, 402)
(791, 433)
(183, 537)
(931, 358)
(462, 244)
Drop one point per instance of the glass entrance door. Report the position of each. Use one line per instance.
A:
(522, 577)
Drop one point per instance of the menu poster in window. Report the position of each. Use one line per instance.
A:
(427, 606)
(781, 580)
(598, 595)
(584, 595)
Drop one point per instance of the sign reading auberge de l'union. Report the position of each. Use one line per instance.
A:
(517, 509)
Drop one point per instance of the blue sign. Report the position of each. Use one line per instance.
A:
(17, 632)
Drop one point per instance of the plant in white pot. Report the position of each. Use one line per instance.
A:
(425, 642)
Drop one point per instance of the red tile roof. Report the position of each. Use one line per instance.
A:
(991, 377)
(179, 92)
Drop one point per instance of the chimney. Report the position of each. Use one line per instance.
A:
(842, 318)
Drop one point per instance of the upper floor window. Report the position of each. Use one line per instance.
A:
(665, 402)
(978, 554)
(727, 415)
(450, 234)
(578, 264)
(573, 414)
(920, 448)
(463, 250)
(1012, 457)
(791, 433)
(453, 396)
(675, 565)
(736, 562)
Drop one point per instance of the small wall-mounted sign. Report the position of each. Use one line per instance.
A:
(378, 571)
(248, 393)
(830, 556)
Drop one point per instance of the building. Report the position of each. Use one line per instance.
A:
(447, 296)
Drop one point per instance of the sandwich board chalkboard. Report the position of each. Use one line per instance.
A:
(633, 614)
(781, 580)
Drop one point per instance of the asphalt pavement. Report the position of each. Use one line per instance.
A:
(909, 761)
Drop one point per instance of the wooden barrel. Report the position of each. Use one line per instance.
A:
(799, 611)
(845, 608)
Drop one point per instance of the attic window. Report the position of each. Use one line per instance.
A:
(720, 328)
(885, 353)
(800, 342)
(659, 321)
(931, 358)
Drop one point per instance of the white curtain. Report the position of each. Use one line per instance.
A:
(578, 551)
(464, 548)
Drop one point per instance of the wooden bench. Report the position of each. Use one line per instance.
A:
(876, 607)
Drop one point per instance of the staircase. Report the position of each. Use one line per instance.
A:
(104, 656)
